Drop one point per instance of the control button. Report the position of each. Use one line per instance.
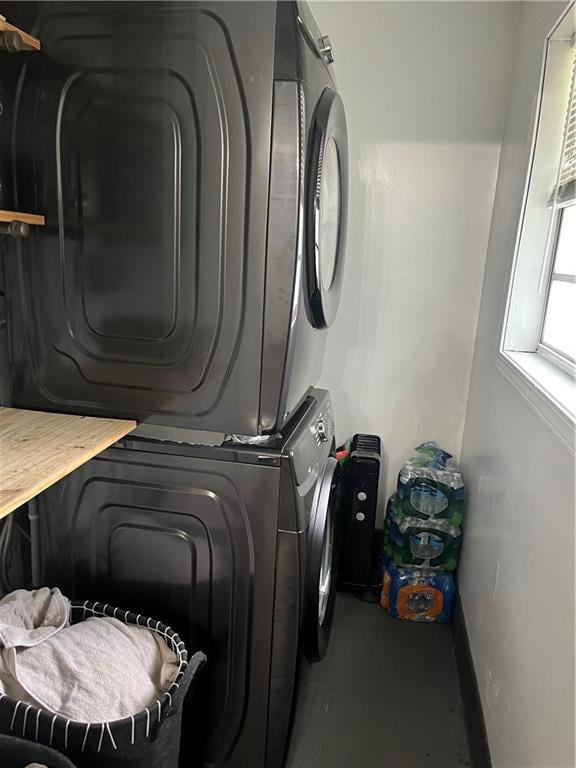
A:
(321, 431)
(360, 516)
(362, 496)
(326, 50)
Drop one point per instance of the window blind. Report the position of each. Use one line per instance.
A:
(565, 191)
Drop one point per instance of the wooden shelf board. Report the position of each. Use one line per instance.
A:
(31, 43)
(28, 218)
(38, 449)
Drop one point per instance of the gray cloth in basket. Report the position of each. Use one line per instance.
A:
(29, 618)
(95, 671)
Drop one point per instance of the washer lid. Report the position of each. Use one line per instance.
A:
(327, 205)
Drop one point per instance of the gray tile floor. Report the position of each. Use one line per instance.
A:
(386, 696)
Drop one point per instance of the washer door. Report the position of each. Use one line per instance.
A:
(327, 206)
(322, 562)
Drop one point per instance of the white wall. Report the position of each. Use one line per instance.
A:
(425, 87)
(440, 98)
(517, 567)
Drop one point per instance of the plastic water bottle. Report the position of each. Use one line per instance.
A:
(430, 486)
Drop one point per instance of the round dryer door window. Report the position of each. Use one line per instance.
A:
(327, 209)
(322, 562)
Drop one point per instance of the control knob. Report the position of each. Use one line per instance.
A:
(321, 431)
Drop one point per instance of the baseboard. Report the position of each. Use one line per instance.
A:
(473, 715)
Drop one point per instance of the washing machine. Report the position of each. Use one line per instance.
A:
(191, 162)
(234, 546)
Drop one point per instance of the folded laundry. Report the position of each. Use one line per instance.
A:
(97, 670)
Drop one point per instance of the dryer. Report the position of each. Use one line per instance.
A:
(191, 162)
(234, 546)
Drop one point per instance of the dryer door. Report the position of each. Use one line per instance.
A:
(327, 206)
(322, 562)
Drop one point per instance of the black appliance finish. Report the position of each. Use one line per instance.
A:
(359, 512)
(191, 161)
(18, 752)
(232, 546)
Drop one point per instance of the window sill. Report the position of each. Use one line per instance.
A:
(549, 390)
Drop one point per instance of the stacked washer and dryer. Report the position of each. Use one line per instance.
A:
(191, 160)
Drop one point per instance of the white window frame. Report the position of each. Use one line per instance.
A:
(544, 377)
(550, 353)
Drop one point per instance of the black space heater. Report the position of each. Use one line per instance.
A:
(359, 509)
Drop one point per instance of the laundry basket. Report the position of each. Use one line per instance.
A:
(19, 753)
(149, 739)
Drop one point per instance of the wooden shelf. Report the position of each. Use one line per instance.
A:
(38, 449)
(30, 43)
(34, 219)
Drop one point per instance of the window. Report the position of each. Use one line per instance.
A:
(559, 328)
(539, 335)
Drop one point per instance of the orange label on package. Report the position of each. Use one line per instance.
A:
(419, 600)
(385, 596)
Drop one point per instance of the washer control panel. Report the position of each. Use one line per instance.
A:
(313, 443)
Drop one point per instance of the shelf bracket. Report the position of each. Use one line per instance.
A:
(17, 225)
(15, 40)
